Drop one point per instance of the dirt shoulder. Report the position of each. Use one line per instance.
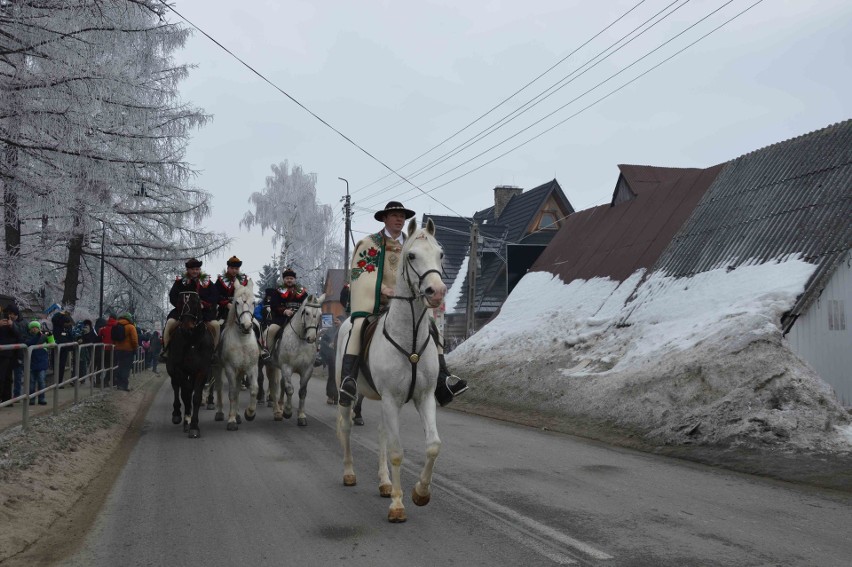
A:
(55, 476)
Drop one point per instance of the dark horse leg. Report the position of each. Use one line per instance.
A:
(176, 413)
(197, 382)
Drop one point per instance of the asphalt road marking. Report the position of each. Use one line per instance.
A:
(523, 529)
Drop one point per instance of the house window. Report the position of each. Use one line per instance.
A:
(547, 221)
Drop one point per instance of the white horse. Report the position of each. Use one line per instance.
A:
(295, 354)
(238, 356)
(403, 362)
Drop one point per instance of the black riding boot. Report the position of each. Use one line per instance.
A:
(445, 392)
(348, 387)
(264, 352)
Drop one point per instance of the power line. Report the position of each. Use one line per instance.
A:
(302, 106)
(541, 96)
(587, 92)
(601, 99)
(510, 97)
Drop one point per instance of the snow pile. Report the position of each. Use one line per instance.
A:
(695, 360)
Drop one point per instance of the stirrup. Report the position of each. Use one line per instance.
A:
(348, 391)
(455, 384)
(264, 354)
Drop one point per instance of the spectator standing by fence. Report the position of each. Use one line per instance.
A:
(63, 327)
(39, 361)
(156, 345)
(87, 336)
(10, 334)
(126, 342)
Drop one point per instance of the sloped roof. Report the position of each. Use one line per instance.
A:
(616, 240)
(793, 197)
(510, 227)
(453, 234)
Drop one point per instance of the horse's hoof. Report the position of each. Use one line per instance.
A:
(250, 417)
(419, 500)
(232, 426)
(358, 420)
(185, 427)
(288, 414)
(349, 480)
(278, 417)
(385, 490)
(211, 406)
(194, 434)
(269, 403)
(302, 421)
(396, 515)
(176, 419)
(239, 419)
(220, 416)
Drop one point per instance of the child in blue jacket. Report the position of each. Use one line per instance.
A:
(39, 361)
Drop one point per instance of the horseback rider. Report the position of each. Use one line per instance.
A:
(193, 280)
(281, 303)
(225, 288)
(372, 286)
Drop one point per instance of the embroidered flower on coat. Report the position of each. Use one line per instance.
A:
(368, 262)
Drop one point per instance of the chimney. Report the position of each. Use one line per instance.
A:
(502, 195)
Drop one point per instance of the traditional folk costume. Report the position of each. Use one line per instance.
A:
(375, 263)
(206, 290)
(278, 300)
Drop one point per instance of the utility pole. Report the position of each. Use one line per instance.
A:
(471, 279)
(347, 212)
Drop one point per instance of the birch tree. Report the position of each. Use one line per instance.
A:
(304, 229)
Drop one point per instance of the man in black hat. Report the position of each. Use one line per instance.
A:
(225, 288)
(373, 277)
(281, 303)
(193, 280)
(11, 332)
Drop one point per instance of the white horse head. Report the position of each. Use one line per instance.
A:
(242, 308)
(309, 318)
(422, 264)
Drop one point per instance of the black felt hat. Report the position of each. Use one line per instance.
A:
(393, 207)
(193, 263)
(288, 272)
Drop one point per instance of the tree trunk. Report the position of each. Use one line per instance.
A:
(72, 267)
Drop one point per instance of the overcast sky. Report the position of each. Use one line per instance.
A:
(400, 77)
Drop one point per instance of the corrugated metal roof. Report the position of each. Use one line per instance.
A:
(616, 240)
(793, 197)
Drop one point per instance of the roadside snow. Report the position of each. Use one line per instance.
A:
(455, 291)
(690, 360)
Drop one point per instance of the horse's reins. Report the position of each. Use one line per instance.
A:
(237, 319)
(306, 327)
(414, 355)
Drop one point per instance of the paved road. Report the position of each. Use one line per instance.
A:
(271, 493)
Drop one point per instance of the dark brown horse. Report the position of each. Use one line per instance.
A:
(188, 364)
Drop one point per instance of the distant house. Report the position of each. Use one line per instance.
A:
(334, 280)
(793, 198)
(513, 232)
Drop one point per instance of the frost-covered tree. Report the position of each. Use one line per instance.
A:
(304, 229)
(93, 137)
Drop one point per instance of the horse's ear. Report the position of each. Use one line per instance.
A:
(412, 226)
(430, 227)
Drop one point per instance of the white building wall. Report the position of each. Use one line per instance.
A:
(823, 334)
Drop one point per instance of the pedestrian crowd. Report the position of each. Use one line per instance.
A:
(61, 329)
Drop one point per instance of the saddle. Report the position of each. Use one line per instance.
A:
(367, 333)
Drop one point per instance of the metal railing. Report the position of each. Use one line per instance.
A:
(100, 372)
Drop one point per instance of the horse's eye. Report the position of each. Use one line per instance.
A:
(411, 255)
(442, 255)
